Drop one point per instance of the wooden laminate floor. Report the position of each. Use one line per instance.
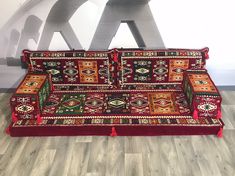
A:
(131, 156)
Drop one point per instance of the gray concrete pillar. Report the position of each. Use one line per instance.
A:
(58, 21)
(3, 49)
(30, 31)
(13, 41)
(139, 18)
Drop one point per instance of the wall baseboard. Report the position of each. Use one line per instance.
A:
(7, 90)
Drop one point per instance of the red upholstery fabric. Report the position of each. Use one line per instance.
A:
(117, 93)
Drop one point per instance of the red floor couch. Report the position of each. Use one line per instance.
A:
(116, 92)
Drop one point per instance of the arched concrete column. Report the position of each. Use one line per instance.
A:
(30, 31)
(58, 21)
(137, 15)
(13, 41)
(11, 50)
(3, 49)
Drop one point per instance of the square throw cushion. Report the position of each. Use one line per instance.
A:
(144, 69)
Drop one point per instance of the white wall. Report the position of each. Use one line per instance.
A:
(8, 8)
(197, 23)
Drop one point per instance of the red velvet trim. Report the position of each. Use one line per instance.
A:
(220, 133)
(113, 133)
(105, 130)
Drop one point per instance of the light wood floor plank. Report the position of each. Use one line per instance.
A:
(228, 97)
(133, 164)
(186, 155)
(84, 139)
(155, 164)
(205, 161)
(79, 159)
(62, 157)
(221, 155)
(98, 155)
(115, 162)
(43, 162)
(11, 157)
(27, 158)
(169, 157)
(229, 116)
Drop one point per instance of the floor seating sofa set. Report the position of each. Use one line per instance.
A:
(116, 92)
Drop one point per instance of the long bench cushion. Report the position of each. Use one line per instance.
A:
(119, 104)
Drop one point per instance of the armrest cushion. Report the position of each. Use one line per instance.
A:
(30, 96)
(202, 94)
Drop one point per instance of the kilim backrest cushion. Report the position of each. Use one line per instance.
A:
(73, 70)
(115, 69)
(149, 69)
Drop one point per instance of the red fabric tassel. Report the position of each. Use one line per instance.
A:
(219, 114)
(220, 133)
(206, 55)
(14, 118)
(8, 131)
(206, 50)
(39, 119)
(114, 133)
(195, 114)
(115, 56)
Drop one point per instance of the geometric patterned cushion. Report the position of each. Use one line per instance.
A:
(74, 70)
(30, 96)
(148, 68)
(202, 94)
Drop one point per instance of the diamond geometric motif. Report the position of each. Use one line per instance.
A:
(176, 68)
(24, 108)
(162, 103)
(71, 103)
(88, 71)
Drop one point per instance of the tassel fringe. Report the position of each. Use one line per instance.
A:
(219, 114)
(114, 133)
(115, 56)
(220, 133)
(8, 131)
(206, 55)
(14, 118)
(195, 114)
(39, 119)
